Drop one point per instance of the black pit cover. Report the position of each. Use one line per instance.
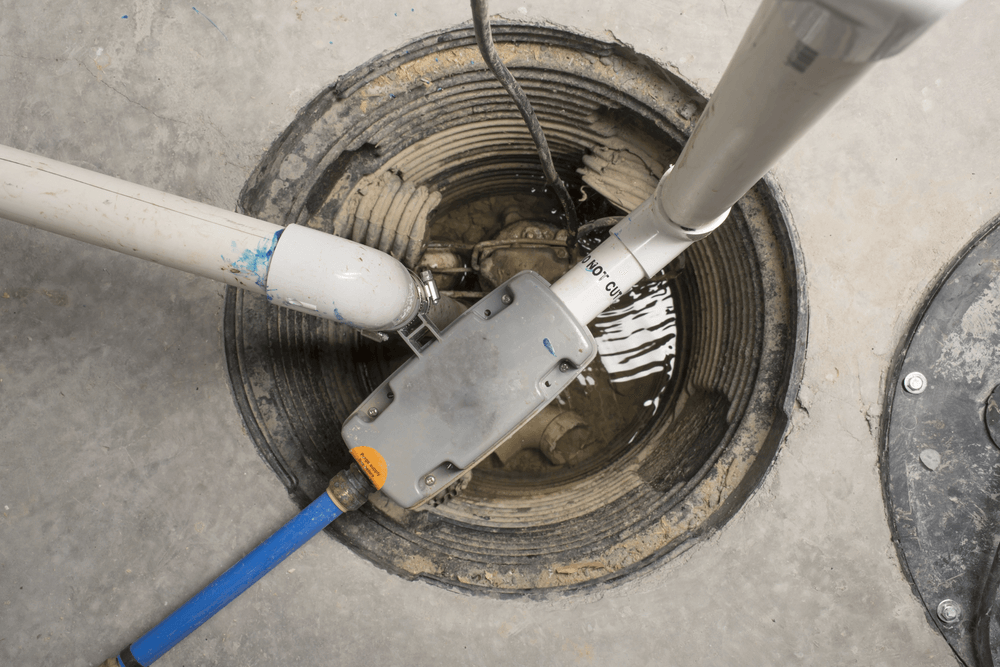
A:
(946, 520)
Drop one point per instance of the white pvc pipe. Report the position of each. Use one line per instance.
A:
(135, 220)
(773, 90)
(796, 60)
(296, 267)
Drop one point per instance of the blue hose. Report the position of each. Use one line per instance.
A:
(241, 576)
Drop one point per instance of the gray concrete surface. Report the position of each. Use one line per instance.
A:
(127, 482)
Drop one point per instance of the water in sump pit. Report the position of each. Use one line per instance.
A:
(636, 347)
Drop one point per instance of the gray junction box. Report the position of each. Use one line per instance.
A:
(467, 389)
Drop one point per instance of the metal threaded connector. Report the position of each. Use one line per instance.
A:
(350, 488)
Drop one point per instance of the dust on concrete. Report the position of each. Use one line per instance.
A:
(55, 297)
(966, 354)
(416, 564)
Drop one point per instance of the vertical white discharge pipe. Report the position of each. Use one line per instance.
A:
(296, 267)
(796, 60)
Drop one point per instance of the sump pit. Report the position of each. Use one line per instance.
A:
(680, 420)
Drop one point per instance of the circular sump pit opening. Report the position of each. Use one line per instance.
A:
(663, 438)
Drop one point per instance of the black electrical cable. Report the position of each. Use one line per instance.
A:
(484, 38)
(984, 607)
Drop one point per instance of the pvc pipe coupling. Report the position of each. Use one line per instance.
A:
(638, 247)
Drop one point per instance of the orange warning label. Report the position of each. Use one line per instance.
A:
(372, 464)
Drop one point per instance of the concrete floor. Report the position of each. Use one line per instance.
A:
(127, 482)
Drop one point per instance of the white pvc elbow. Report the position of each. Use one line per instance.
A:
(326, 275)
